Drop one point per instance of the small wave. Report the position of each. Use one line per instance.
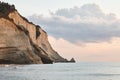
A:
(99, 74)
(4, 65)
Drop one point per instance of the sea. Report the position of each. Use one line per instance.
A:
(62, 71)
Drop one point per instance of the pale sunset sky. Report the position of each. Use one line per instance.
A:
(88, 30)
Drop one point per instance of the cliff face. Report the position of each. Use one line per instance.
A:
(23, 42)
(15, 45)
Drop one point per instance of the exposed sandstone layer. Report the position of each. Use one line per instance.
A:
(15, 45)
(23, 42)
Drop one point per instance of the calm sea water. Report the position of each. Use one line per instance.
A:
(62, 71)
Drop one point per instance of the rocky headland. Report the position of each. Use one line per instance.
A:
(21, 41)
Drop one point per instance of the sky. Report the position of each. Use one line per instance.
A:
(88, 30)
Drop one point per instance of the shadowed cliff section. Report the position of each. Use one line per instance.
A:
(21, 41)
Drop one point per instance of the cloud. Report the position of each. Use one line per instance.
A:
(80, 24)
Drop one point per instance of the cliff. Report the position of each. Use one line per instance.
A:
(22, 42)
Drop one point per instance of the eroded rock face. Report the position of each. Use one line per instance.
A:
(42, 42)
(21, 41)
(15, 46)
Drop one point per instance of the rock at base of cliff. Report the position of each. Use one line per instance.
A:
(72, 60)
